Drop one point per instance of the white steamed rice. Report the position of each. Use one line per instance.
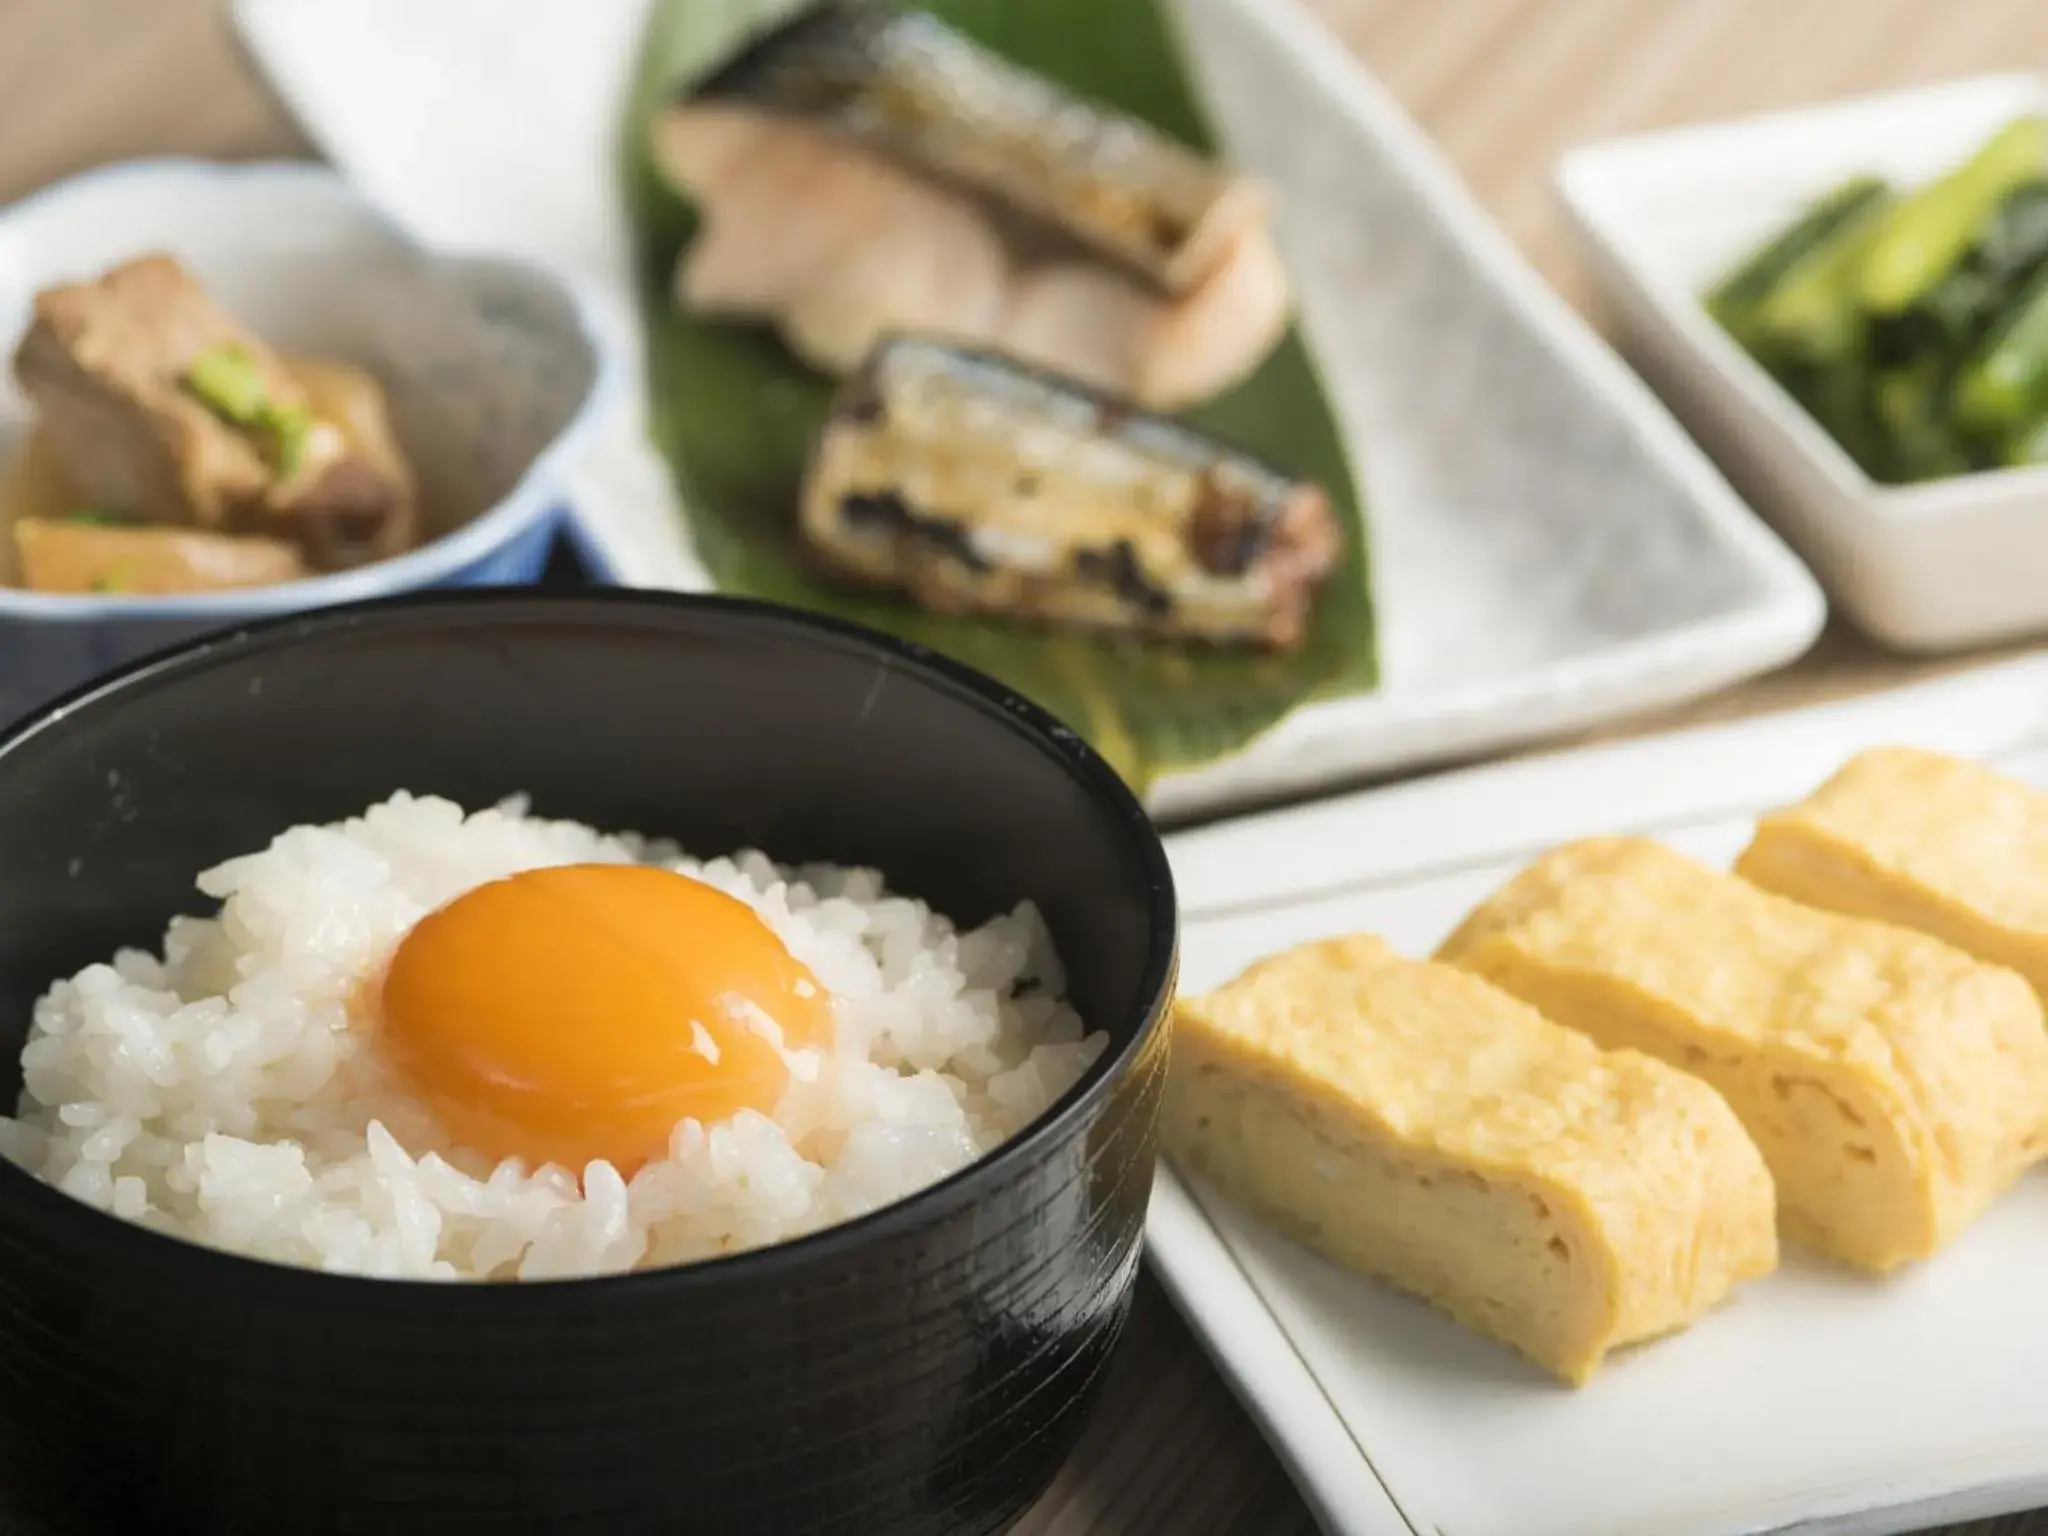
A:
(230, 1092)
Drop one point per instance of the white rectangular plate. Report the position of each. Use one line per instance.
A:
(1815, 1400)
(1549, 549)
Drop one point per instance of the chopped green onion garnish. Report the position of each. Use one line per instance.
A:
(289, 427)
(97, 516)
(226, 381)
(116, 578)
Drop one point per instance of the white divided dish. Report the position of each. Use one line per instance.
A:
(1816, 1400)
(1663, 215)
(1549, 549)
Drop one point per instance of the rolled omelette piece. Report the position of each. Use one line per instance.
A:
(1922, 840)
(1414, 1124)
(1895, 1085)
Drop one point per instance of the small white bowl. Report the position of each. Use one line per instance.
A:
(1931, 567)
(495, 372)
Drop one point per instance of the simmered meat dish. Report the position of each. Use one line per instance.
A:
(175, 450)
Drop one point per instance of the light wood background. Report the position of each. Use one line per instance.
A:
(1503, 86)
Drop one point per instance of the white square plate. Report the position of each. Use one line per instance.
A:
(1815, 1400)
(1929, 567)
(1549, 548)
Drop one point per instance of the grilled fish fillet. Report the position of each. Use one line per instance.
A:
(1895, 1085)
(1415, 1124)
(976, 486)
(838, 246)
(906, 84)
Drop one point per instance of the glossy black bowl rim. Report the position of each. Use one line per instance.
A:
(970, 687)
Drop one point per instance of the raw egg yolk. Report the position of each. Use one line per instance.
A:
(574, 1013)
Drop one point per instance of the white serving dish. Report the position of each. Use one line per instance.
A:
(1550, 549)
(1662, 215)
(1816, 1400)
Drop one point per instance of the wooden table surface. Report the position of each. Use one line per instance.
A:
(1503, 86)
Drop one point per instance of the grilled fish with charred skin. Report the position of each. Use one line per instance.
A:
(905, 83)
(975, 486)
(865, 171)
(839, 246)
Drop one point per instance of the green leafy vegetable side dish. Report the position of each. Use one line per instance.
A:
(1913, 324)
(734, 413)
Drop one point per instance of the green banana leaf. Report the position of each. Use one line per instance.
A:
(734, 412)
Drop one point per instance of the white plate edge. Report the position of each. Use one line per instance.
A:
(1269, 1377)
(1641, 781)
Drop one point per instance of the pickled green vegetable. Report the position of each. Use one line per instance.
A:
(1912, 409)
(2002, 392)
(1913, 328)
(1956, 314)
(2031, 449)
(1841, 400)
(2015, 242)
(1811, 314)
(1754, 279)
(1926, 234)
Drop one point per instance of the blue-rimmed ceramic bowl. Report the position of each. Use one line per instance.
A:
(495, 371)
